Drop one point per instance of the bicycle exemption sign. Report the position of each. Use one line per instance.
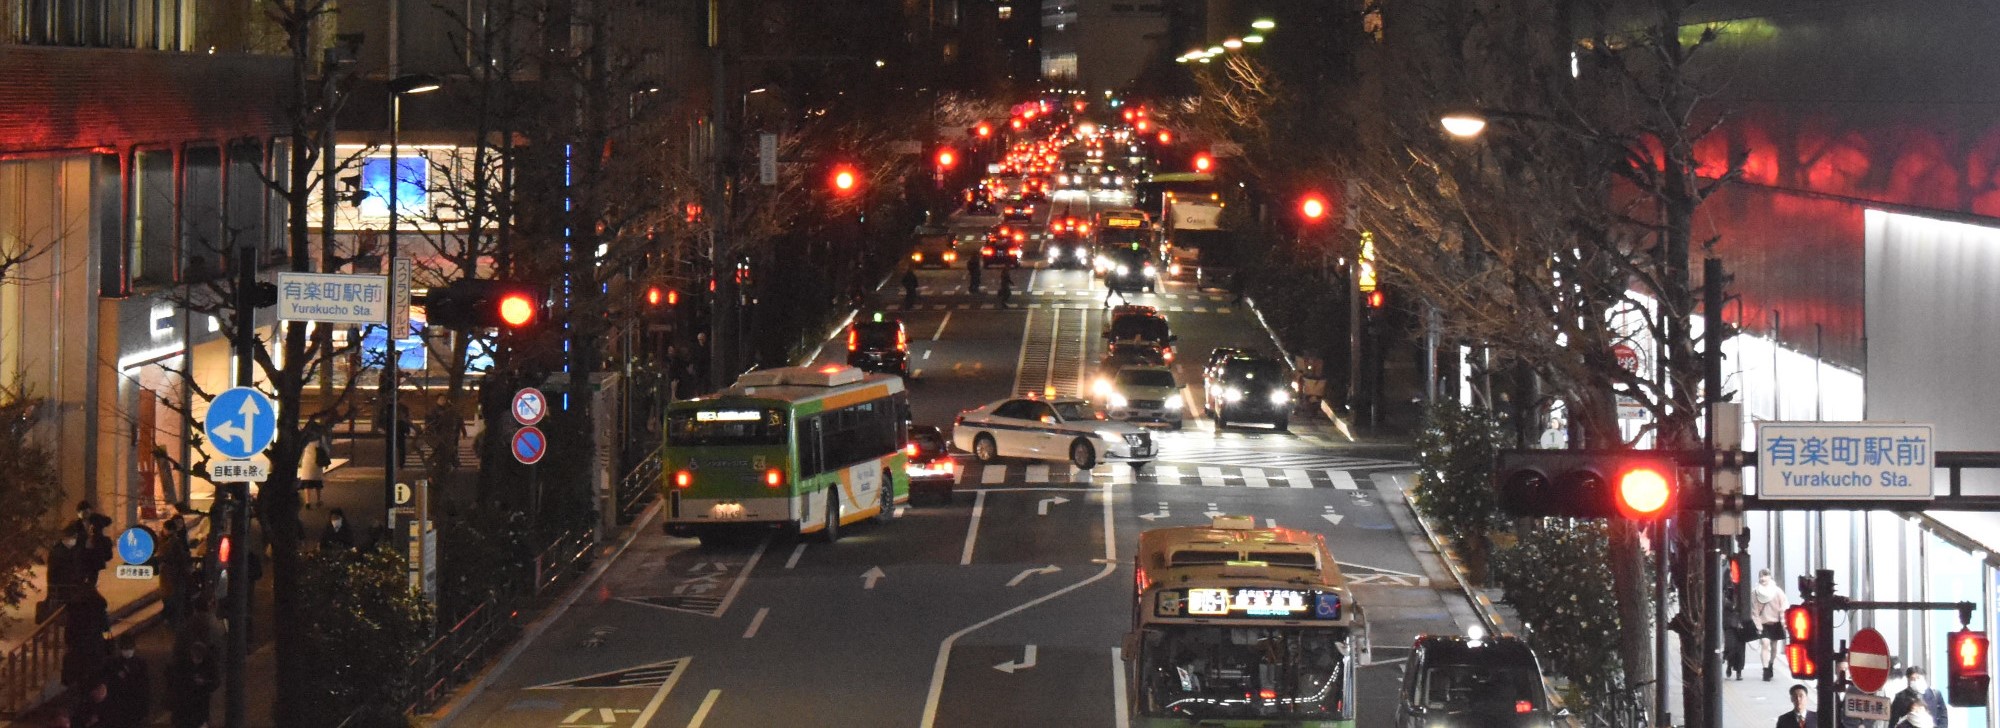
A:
(1846, 460)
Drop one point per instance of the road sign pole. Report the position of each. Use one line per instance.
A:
(235, 700)
(1715, 565)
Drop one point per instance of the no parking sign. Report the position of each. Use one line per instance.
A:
(530, 445)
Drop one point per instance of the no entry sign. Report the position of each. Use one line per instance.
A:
(1868, 660)
(530, 445)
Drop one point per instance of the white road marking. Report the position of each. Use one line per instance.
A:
(1042, 508)
(940, 331)
(936, 692)
(707, 704)
(1211, 512)
(1025, 573)
(1270, 523)
(972, 528)
(1254, 477)
(1038, 473)
(1298, 479)
(660, 696)
(742, 576)
(993, 474)
(1211, 476)
(1341, 480)
(755, 622)
(927, 353)
(1121, 716)
(1167, 475)
(872, 575)
(1379, 569)
(1011, 666)
(797, 551)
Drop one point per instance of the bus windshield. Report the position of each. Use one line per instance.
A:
(1218, 672)
(726, 426)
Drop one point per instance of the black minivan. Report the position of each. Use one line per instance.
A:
(1460, 681)
(879, 344)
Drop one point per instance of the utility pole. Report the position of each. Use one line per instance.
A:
(244, 341)
(721, 139)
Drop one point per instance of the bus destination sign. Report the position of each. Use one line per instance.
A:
(1249, 602)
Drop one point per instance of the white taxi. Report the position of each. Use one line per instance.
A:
(1051, 429)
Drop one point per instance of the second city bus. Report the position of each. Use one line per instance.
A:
(807, 450)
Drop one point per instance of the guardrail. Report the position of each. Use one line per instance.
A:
(639, 488)
(29, 673)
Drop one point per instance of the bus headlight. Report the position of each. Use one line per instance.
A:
(1280, 397)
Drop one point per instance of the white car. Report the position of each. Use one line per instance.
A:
(1051, 429)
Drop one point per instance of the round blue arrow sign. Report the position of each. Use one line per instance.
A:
(241, 422)
(530, 445)
(135, 545)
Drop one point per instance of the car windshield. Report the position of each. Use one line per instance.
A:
(1073, 411)
(875, 336)
(1146, 378)
(726, 426)
(928, 443)
(1243, 371)
(1481, 689)
(1133, 355)
(1150, 328)
(1204, 673)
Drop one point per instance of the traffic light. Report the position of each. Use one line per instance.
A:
(1166, 137)
(1967, 678)
(947, 159)
(1376, 298)
(1800, 627)
(1202, 162)
(983, 131)
(474, 303)
(1631, 484)
(1312, 208)
(844, 179)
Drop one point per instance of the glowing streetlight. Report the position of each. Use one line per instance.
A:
(1464, 125)
(1232, 44)
(1264, 24)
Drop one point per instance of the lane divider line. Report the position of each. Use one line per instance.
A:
(940, 331)
(1121, 715)
(660, 696)
(797, 551)
(755, 622)
(741, 577)
(707, 704)
(972, 528)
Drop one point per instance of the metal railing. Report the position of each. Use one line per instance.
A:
(455, 656)
(639, 488)
(30, 672)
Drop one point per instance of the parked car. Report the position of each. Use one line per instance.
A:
(1050, 429)
(1459, 681)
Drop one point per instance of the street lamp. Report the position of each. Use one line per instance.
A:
(1463, 124)
(400, 86)
(1264, 24)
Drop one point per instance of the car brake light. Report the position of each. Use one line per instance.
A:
(774, 478)
(853, 340)
(683, 479)
(1523, 706)
(1267, 693)
(987, 250)
(911, 449)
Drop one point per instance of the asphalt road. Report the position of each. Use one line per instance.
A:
(1003, 607)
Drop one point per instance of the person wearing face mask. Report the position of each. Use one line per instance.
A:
(338, 535)
(89, 531)
(129, 686)
(1769, 612)
(1918, 694)
(65, 572)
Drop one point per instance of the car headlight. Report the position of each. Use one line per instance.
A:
(1101, 387)
(1122, 270)
(1232, 394)
(1150, 273)
(1280, 396)
(1174, 402)
(1116, 400)
(1082, 254)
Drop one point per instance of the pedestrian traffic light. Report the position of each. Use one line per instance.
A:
(1376, 298)
(1630, 484)
(473, 303)
(845, 179)
(1800, 630)
(1967, 677)
(1202, 162)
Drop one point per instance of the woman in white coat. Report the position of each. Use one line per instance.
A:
(1769, 612)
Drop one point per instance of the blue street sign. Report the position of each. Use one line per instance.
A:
(530, 445)
(241, 422)
(135, 545)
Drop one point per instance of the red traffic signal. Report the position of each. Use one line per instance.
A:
(223, 549)
(844, 179)
(1376, 298)
(1631, 484)
(947, 159)
(1016, 124)
(517, 310)
(1313, 208)
(1799, 659)
(655, 295)
(1967, 677)
(1799, 626)
(1202, 162)
(1166, 137)
(983, 131)
(473, 303)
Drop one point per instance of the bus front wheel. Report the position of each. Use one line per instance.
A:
(831, 531)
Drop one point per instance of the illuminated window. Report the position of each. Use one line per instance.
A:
(1006, 12)
(412, 179)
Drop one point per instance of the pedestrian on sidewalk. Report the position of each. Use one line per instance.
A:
(1740, 633)
(312, 466)
(909, 288)
(338, 535)
(972, 265)
(130, 686)
(65, 574)
(89, 529)
(1006, 286)
(1918, 694)
(1769, 612)
(177, 576)
(85, 650)
(189, 687)
(1798, 716)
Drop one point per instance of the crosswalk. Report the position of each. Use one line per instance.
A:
(971, 305)
(1172, 474)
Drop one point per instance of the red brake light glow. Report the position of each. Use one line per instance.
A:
(853, 339)
(774, 478)
(683, 479)
(1523, 706)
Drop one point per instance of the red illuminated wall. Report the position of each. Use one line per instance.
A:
(70, 99)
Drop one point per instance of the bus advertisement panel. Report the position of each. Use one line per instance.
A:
(808, 450)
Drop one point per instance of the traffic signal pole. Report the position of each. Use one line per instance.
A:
(1715, 566)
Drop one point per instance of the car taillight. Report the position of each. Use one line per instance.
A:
(853, 340)
(774, 478)
(986, 250)
(902, 339)
(1267, 693)
(683, 479)
(911, 449)
(1523, 706)
(917, 256)
(950, 256)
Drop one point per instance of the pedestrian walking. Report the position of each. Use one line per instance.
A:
(1769, 612)
(89, 529)
(85, 650)
(1006, 286)
(909, 288)
(1740, 633)
(1917, 694)
(189, 687)
(1920, 717)
(66, 564)
(405, 427)
(338, 535)
(176, 571)
(312, 467)
(1798, 716)
(973, 264)
(129, 685)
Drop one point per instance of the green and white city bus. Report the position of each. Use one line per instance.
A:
(1239, 626)
(803, 449)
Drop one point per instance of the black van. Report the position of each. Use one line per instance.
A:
(1459, 681)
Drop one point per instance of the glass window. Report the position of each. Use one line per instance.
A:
(412, 179)
(1204, 673)
(204, 248)
(152, 223)
(1019, 409)
(1146, 377)
(726, 426)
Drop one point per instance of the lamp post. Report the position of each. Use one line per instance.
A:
(400, 86)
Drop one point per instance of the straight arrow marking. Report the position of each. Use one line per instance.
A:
(872, 575)
(1027, 660)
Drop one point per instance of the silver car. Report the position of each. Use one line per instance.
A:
(1059, 428)
(1145, 394)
